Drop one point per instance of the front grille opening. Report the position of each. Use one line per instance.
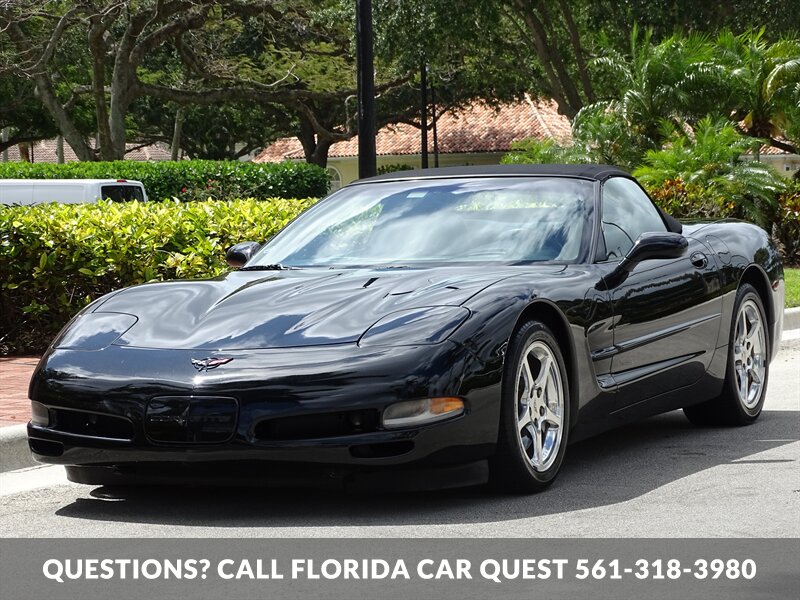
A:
(191, 419)
(45, 447)
(382, 450)
(91, 424)
(322, 425)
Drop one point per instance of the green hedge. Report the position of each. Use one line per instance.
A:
(56, 258)
(190, 179)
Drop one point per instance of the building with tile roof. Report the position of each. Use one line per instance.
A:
(46, 151)
(785, 163)
(476, 135)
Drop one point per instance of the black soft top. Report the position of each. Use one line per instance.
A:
(594, 172)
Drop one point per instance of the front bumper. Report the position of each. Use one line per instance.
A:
(267, 387)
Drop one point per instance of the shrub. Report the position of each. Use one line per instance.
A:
(682, 200)
(56, 258)
(710, 160)
(190, 179)
(393, 168)
(534, 151)
(786, 228)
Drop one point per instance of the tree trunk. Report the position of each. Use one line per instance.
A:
(557, 60)
(543, 52)
(63, 121)
(320, 155)
(575, 38)
(315, 149)
(60, 149)
(123, 85)
(98, 56)
(307, 137)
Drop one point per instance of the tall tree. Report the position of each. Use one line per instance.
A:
(251, 50)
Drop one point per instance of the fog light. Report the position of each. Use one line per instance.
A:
(40, 414)
(421, 412)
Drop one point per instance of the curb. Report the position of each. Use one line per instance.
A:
(791, 318)
(14, 452)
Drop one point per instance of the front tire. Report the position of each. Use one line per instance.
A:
(747, 372)
(534, 415)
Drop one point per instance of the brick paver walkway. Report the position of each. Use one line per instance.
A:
(15, 373)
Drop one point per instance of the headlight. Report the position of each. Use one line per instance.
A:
(95, 331)
(421, 412)
(40, 414)
(429, 325)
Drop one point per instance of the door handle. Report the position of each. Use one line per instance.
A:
(699, 260)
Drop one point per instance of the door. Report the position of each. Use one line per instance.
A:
(667, 312)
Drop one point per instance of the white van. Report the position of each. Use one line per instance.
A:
(69, 191)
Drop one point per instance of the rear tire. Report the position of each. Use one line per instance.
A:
(534, 412)
(747, 370)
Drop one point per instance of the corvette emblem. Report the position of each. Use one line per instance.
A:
(206, 364)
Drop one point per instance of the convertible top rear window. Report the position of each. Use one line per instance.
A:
(445, 221)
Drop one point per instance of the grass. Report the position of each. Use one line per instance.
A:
(792, 287)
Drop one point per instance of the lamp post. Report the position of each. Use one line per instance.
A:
(423, 115)
(366, 90)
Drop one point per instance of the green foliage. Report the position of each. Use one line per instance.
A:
(780, 17)
(239, 128)
(657, 87)
(761, 81)
(394, 167)
(56, 258)
(190, 179)
(599, 135)
(710, 160)
(532, 151)
(654, 82)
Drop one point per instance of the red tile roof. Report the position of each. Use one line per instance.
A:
(771, 150)
(477, 128)
(45, 152)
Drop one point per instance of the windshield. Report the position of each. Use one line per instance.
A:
(445, 221)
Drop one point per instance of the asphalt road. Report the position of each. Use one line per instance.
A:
(659, 478)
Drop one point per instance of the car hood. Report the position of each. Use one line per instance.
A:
(259, 309)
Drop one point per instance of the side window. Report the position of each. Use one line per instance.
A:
(627, 213)
(122, 193)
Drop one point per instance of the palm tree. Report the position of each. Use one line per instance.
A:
(764, 84)
(653, 83)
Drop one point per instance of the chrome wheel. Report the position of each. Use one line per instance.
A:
(539, 397)
(749, 354)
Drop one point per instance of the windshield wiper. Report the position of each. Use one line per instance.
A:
(275, 267)
(376, 267)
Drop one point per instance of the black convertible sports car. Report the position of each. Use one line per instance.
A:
(430, 328)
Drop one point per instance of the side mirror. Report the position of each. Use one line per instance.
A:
(238, 255)
(648, 246)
